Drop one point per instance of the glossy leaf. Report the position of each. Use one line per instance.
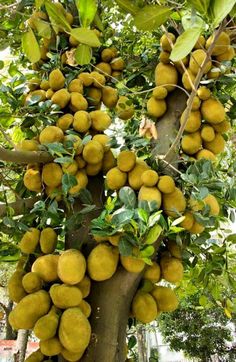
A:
(200, 5)
(151, 17)
(87, 10)
(127, 196)
(128, 6)
(125, 247)
(31, 46)
(57, 18)
(220, 9)
(185, 43)
(83, 54)
(43, 28)
(68, 181)
(86, 36)
(153, 234)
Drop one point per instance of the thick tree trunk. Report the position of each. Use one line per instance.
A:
(142, 353)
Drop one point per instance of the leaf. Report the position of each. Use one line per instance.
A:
(143, 215)
(125, 248)
(219, 10)
(87, 10)
(154, 218)
(39, 3)
(185, 43)
(68, 181)
(128, 6)
(57, 18)
(30, 46)
(128, 197)
(86, 36)
(1, 64)
(121, 217)
(153, 234)
(83, 54)
(147, 251)
(74, 222)
(200, 5)
(63, 160)
(150, 17)
(85, 197)
(43, 28)
(98, 22)
(132, 342)
(178, 221)
(228, 313)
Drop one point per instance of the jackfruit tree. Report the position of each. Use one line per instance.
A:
(117, 166)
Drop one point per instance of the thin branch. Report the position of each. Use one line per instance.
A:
(7, 138)
(24, 157)
(18, 206)
(6, 182)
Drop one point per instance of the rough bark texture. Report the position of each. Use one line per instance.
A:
(24, 157)
(20, 206)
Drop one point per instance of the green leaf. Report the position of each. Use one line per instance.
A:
(200, 5)
(31, 46)
(154, 218)
(128, 6)
(143, 215)
(57, 18)
(98, 22)
(128, 197)
(86, 36)
(132, 342)
(39, 3)
(1, 64)
(151, 17)
(185, 43)
(63, 160)
(125, 247)
(68, 181)
(219, 10)
(87, 10)
(83, 54)
(178, 221)
(147, 251)
(153, 234)
(85, 197)
(43, 28)
(122, 217)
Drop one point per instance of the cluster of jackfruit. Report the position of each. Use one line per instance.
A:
(51, 301)
(207, 120)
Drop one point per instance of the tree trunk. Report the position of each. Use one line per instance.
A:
(142, 354)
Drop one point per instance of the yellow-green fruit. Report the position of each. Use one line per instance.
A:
(98, 79)
(222, 127)
(32, 282)
(114, 239)
(82, 181)
(74, 330)
(165, 298)
(221, 45)
(187, 76)
(93, 169)
(46, 326)
(109, 96)
(56, 79)
(150, 194)
(196, 103)
(153, 272)
(54, 193)
(159, 93)
(174, 203)
(108, 161)
(48, 240)
(203, 93)
(65, 121)
(107, 55)
(179, 65)
(70, 356)
(149, 178)
(51, 134)
(84, 285)
(45, 85)
(100, 120)
(156, 107)
(191, 143)
(166, 75)
(80, 161)
(29, 241)
(32, 180)
(144, 307)
(36, 356)
(115, 179)
(78, 102)
(187, 223)
(40, 94)
(196, 228)
(65, 296)
(124, 108)
(86, 79)
(70, 167)
(217, 145)
(29, 310)
(200, 42)
(135, 175)
(86, 308)
(50, 347)
(132, 264)
(164, 57)
(15, 288)
(208, 155)
(104, 68)
(117, 64)
(61, 98)
(212, 202)
(46, 267)
(171, 269)
(197, 59)
(73, 41)
(76, 85)
(102, 262)
(28, 145)
(166, 184)
(126, 161)
(82, 121)
(49, 93)
(94, 96)
(174, 249)
(193, 123)
(166, 41)
(93, 152)
(52, 174)
(227, 55)
(71, 266)
(207, 133)
(33, 83)
(104, 140)
(72, 140)
(213, 111)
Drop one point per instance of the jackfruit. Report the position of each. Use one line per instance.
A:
(214, 73)
(187, 76)
(159, 92)
(26, 313)
(52, 174)
(78, 102)
(70, 356)
(207, 133)
(51, 134)
(221, 44)
(187, 223)
(126, 160)
(228, 55)
(108, 161)
(196, 103)
(71, 266)
(166, 184)
(61, 98)
(49, 93)
(100, 120)
(28, 145)
(94, 96)
(54, 193)
(174, 203)
(197, 59)
(15, 288)
(80, 162)
(191, 143)
(174, 249)
(200, 43)
(46, 267)
(124, 108)
(212, 202)
(164, 57)
(86, 79)
(166, 41)
(70, 167)
(33, 83)
(165, 298)
(144, 307)
(149, 178)
(114, 239)
(98, 79)
(84, 285)
(65, 121)
(150, 194)
(135, 175)
(44, 84)
(46, 326)
(102, 262)
(48, 240)
(50, 347)
(82, 181)
(73, 142)
(32, 282)
(107, 55)
(217, 145)
(32, 180)
(36, 356)
(85, 308)
(166, 75)
(132, 263)
(117, 64)
(208, 155)
(104, 140)
(222, 127)
(82, 121)
(193, 123)
(73, 41)
(115, 179)
(109, 97)
(76, 85)
(36, 96)
(196, 228)
(156, 107)
(56, 79)
(93, 169)
(93, 152)
(104, 68)
(74, 330)
(65, 296)
(203, 93)
(153, 272)
(29, 241)
(171, 269)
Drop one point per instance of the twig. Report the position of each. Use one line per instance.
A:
(8, 139)
(9, 186)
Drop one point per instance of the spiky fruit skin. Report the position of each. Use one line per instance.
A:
(126, 161)
(149, 178)
(46, 267)
(221, 44)
(56, 79)
(150, 194)
(153, 272)
(115, 179)
(166, 184)
(191, 143)
(132, 264)
(217, 145)
(156, 107)
(165, 298)
(208, 155)
(174, 203)
(124, 108)
(102, 262)
(213, 111)
(171, 269)
(144, 307)
(71, 266)
(197, 58)
(51, 134)
(166, 74)
(193, 123)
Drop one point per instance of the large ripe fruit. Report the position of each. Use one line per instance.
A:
(166, 75)
(212, 202)
(104, 140)
(46, 267)
(104, 68)
(70, 356)
(28, 145)
(52, 174)
(144, 307)
(36, 356)
(187, 76)
(76, 85)
(208, 155)
(196, 228)
(29, 241)
(174, 203)
(197, 59)
(221, 44)
(132, 263)
(174, 248)
(187, 223)
(84, 285)
(85, 308)
(149, 178)
(61, 98)
(193, 123)
(71, 266)
(150, 194)
(166, 184)
(166, 41)
(99, 80)
(82, 121)
(65, 121)
(15, 288)
(102, 262)
(124, 108)
(165, 298)
(78, 102)
(108, 161)
(65, 296)
(100, 120)
(191, 143)
(109, 96)
(159, 92)
(115, 179)
(94, 96)
(51, 134)
(82, 181)
(135, 175)
(217, 145)
(213, 111)
(207, 133)
(86, 79)
(228, 55)
(50, 347)
(153, 272)
(32, 282)
(93, 152)
(156, 107)
(126, 160)
(48, 240)
(203, 93)
(56, 79)
(171, 269)
(32, 180)
(222, 127)
(46, 326)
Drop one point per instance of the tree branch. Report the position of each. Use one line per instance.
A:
(24, 157)
(18, 206)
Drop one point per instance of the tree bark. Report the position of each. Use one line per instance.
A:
(24, 157)
(142, 355)
(19, 206)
